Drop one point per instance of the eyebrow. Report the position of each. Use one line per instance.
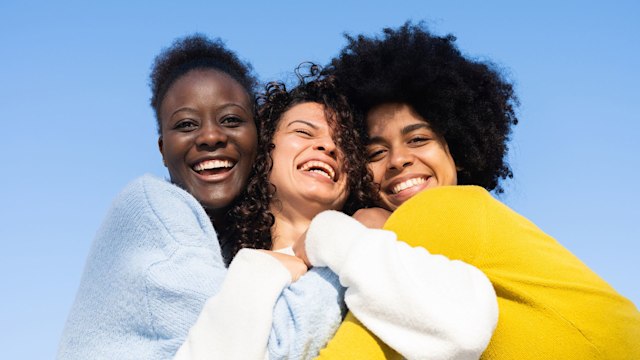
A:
(190, 109)
(409, 128)
(313, 126)
(405, 130)
(235, 105)
(185, 108)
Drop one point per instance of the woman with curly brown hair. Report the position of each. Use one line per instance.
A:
(433, 119)
(311, 161)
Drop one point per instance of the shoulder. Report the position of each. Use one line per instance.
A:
(467, 193)
(444, 203)
(150, 211)
(468, 201)
(153, 191)
(451, 220)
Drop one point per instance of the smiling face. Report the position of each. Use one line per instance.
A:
(307, 165)
(405, 155)
(208, 136)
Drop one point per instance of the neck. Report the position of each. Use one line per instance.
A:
(289, 225)
(218, 218)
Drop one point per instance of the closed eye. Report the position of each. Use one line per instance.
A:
(304, 132)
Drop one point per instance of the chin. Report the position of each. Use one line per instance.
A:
(215, 204)
(320, 204)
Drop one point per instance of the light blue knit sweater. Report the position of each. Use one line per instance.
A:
(154, 263)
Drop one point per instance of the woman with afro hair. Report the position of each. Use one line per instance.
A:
(434, 118)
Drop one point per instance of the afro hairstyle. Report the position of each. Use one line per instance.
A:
(467, 102)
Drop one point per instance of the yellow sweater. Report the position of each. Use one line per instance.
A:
(552, 306)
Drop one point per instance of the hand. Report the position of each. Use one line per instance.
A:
(373, 218)
(300, 250)
(296, 266)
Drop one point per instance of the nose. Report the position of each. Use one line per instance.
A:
(211, 135)
(326, 145)
(399, 158)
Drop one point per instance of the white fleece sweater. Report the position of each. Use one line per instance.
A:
(422, 305)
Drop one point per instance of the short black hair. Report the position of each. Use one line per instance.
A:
(467, 102)
(196, 52)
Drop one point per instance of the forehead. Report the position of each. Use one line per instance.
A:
(206, 84)
(309, 112)
(395, 118)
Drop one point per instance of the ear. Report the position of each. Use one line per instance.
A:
(161, 148)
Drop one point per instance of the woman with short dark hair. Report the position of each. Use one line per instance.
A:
(157, 257)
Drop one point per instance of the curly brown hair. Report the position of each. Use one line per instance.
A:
(251, 219)
(467, 102)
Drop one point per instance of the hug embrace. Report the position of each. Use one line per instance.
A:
(346, 218)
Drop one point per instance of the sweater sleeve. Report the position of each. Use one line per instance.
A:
(241, 311)
(422, 305)
(154, 263)
(542, 288)
(307, 315)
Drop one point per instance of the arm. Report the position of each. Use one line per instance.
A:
(541, 287)
(418, 303)
(307, 315)
(236, 322)
(154, 262)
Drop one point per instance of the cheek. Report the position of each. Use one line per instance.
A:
(454, 174)
(278, 164)
(448, 172)
(250, 142)
(451, 167)
(377, 170)
(170, 154)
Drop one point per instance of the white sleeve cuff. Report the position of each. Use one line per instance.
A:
(254, 272)
(330, 237)
(241, 310)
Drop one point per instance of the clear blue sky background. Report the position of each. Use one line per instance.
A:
(76, 124)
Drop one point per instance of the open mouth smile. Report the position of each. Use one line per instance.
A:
(407, 184)
(319, 167)
(212, 167)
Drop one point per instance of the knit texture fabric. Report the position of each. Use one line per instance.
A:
(552, 306)
(154, 262)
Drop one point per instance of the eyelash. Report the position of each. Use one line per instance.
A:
(232, 121)
(418, 139)
(303, 132)
(185, 124)
(375, 154)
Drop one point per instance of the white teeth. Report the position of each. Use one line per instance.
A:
(320, 168)
(321, 172)
(407, 184)
(212, 164)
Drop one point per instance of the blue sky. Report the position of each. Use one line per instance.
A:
(77, 125)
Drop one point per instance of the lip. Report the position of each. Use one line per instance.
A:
(328, 161)
(220, 176)
(406, 193)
